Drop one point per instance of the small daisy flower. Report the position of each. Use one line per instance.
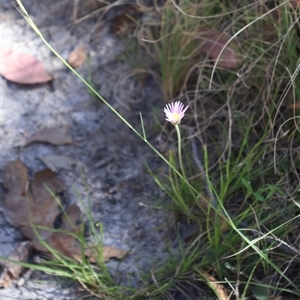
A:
(175, 112)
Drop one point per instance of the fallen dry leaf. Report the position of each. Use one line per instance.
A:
(22, 68)
(15, 180)
(295, 4)
(124, 21)
(77, 57)
(45, 207)
(33, 207)
(216, 287)
(213, 43)
(56, 162)
(108, 252)
(294, 106)
(51, 135)
(13, 270)
(63, 241)
(29, 203)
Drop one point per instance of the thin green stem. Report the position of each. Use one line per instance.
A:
(192, 190)
(179, 152)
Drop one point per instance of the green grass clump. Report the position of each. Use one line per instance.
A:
(245, 128)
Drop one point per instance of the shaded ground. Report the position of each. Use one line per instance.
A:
(117, 181)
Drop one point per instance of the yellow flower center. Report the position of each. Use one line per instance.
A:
(176, 117)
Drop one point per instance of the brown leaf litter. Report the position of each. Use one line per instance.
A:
(33, 207)
(125, 20)
(77, 57)
(22, 68)
(57, 135)
(218, 288)
(56, 162)
(213, 45)
(295, 4)
(12, 270)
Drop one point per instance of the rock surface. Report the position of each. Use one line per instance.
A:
(114, 179)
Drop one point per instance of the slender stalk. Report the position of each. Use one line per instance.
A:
(179, 153)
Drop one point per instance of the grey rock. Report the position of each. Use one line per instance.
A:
(114, 156)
